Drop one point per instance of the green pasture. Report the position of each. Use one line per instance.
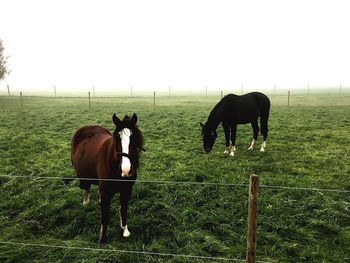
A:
(308, 146)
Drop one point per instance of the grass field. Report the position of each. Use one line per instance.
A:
(307, 147)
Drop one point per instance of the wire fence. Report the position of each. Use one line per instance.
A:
(273, 90)
(116, 251)
(174, 182)
(150, 253)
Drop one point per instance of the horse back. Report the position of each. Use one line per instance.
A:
(246, 108)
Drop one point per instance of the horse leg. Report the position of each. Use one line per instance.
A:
(255, 127)
(227, 138)
(264, 131)
(124, 199)
(86, 188)
(233, 139)
(104, 205)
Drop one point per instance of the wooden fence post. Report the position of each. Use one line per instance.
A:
(54, 88)
(288, 98)
(130, 91)
(20, 94)
(252, 217)
(154, 100)
(89, 101)
(8, 90)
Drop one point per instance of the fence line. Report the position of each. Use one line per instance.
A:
(173, 182)
(126, 251)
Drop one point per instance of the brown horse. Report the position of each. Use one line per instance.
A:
(109, 161)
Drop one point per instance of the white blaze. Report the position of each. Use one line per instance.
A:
(125, 139)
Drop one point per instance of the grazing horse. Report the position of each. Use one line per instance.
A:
(233, 110)
(109, 161)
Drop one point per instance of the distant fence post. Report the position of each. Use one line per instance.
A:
(274, 90)
(169, 90)
(20, 94)
(89, 101)
(308, 89)
(340, 88)
(288, 98)
(252, 217)
(154, 100)
(8, 90)
(54, 89)
(206, 91)
(130, 91)
(93, 90)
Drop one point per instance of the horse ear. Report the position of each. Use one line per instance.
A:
(116, 120)
(201, 124)
(134, 118)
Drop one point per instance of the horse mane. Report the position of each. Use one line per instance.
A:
(137, 140)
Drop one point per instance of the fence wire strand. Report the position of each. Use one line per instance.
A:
(173, 182)
(145, 253)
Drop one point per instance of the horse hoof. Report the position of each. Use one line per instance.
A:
(102, 241)
(85, 203)
(251, 148)
(262, 150)
(232, 154)
(126, 232)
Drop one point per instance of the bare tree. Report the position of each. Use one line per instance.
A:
(3, 60)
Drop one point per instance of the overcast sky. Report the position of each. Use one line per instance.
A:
(151, 44)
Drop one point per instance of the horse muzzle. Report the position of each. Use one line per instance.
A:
(207, 149)
(126, 173)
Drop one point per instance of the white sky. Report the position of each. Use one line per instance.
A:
(151, 44)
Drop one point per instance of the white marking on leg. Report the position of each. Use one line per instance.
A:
(125, 139)
(227, 150)
(125, 229)
(101, 232)
(126, 232)
(252, 145)
(263, 147)
(86, 198)
(232, 152)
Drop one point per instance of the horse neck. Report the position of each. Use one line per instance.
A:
(215, 118)
(113, 149)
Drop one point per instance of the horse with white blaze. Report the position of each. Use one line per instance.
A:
(109, 161)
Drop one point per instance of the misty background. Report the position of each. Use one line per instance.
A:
(197, 46)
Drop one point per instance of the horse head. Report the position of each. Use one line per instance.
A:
(209, 136)
(130, 137)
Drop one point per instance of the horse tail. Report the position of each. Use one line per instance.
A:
(264, 117)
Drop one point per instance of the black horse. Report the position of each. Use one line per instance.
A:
(233, 110)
